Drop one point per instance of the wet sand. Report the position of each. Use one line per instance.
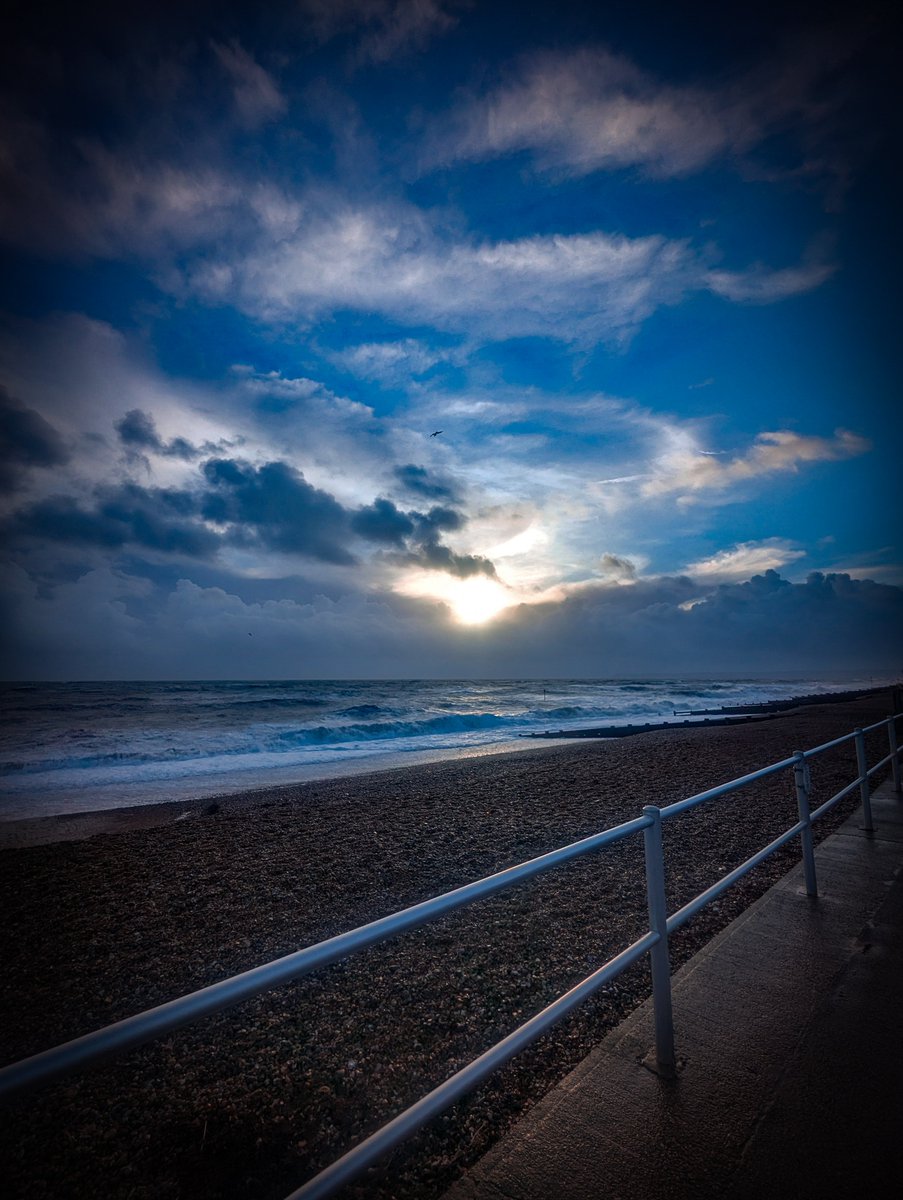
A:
(255, 1100)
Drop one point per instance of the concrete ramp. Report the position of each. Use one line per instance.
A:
(789, 1033)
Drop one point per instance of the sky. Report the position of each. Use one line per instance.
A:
(449, 338)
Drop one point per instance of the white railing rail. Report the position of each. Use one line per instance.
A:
(123, 1035)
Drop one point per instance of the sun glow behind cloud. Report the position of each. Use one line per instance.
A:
(472, 601)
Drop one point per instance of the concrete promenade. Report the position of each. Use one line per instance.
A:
(789, 1033)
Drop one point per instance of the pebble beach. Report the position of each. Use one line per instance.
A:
(108, 914)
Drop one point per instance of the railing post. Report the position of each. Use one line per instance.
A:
(864, 789)
(802, 783)
(659, 956)
(895, 754)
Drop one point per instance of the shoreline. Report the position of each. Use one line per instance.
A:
(88, 823)
(254, 1100)
(79, 824)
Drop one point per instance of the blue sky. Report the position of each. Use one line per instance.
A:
(635, 262)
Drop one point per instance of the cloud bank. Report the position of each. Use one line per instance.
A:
(765, 625)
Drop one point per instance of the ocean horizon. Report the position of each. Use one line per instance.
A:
(83, 746)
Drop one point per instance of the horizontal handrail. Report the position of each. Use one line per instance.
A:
(692, 908)
(679, 806)
(154, 1022)
(884, 720)
(409, 1121)
(359, 1157)
(847, 737)
(167, 1017)
(835, 799)
(878, 765)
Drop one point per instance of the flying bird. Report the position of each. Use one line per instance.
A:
(437, 432)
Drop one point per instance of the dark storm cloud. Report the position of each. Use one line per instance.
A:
(159, 518)
(156, 518)
(615, 567)
(137, 431)
(418, 480)
(800, 625)
(772, 611)
(26, 440)
(420, 533)
(270, 507)
(766, 626)
(668, 626)
(381, 521)
(437, 520)
(279, 507)
(284, 512)
(428, 551)
(437, 557)
(60, 519)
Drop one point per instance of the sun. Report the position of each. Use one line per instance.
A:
(473, 601)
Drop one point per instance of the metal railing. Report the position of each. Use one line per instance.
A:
(155, 1022)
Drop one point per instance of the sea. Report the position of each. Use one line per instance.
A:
(78, 747)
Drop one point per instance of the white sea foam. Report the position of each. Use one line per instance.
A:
(72, 747)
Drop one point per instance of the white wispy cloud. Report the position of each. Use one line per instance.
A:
(321, 252)
(589, 109)
(257, 97)
(391, 260)
(384, 29)
(300, 254)
(586, 110)
(761, 285)
(390, 363)
(746, 559)
(130, 203)
(693, 471)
